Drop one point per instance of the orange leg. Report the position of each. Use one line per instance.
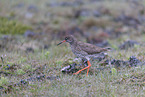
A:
(88, 70)
(89, 65)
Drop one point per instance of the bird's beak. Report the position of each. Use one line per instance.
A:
(61, 42)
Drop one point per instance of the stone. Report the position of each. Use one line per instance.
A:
(128, 44)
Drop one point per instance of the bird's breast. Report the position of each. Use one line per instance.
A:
(78, 52)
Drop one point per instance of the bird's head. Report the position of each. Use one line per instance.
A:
(70, 39)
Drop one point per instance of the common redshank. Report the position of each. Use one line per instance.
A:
(83, 50)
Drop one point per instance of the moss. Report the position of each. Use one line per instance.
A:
(3, 81)
(10, 63)
(47, 54)
(27, 67)
(59, 62)
(68, 62)
(22, 59)
(20, 72)
(12, 27)
(114, 71)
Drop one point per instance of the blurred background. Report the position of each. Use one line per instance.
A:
(44, 22)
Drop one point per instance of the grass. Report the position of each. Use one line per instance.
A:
(12, 27)
(97, 83)
(38, 73)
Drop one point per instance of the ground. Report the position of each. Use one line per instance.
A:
(31, 61)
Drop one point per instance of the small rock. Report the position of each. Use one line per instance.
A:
(76, 30)
(65, 4)
(82, 12)
(77, 13)
(85, 13)
(30, 49)
(105, 62)
(32, 8)
(46, 46)
(128, 20)
(133, 61)
(23, 82)
(7, 38)
(141, 18)
(65, 68)
(69, 68)
(29, 15)
(97, 13)
(98, 42)
(128, 44)
(1, 87)
(113, 33)
(118, 63)
(103, 44)
(40, 77)
(20, 5)
(29, 33)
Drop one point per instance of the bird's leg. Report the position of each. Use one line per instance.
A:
(89, 65)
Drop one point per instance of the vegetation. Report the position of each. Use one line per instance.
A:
(3, 81)
(12, 27)
(31, 65)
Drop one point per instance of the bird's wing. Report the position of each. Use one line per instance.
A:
(90, 49)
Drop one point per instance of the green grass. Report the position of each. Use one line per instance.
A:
(97, 83)
(3, 81)
(12, 27)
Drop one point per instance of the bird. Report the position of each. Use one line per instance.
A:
(83, 50)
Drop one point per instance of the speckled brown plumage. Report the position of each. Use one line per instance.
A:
(83, 50)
